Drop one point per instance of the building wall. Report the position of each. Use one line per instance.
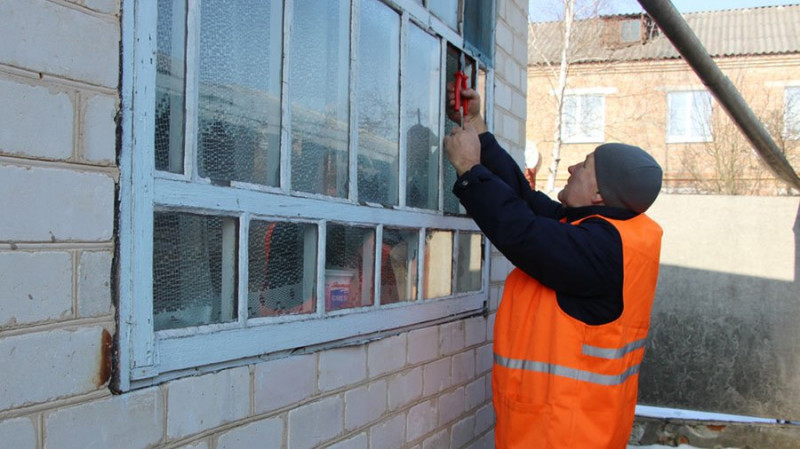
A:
(59, 81)
(636, 113)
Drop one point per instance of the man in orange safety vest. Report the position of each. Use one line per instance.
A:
(570, 330)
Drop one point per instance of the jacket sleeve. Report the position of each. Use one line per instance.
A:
(525, 228)
(499, 162)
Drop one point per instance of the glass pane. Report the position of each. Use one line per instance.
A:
(792, 112)
(194, 270)
(320, 63)
(399, 265)
(170, 82)
(378, 99)
(349, 266)
(482, 89)
(239, 92)
(438, 279)
(701, 114)
(569, 117)
(469, 262)
(451, 203)
(282, 267)
(593, 118)
(422, 104)
(478, 19)
(447, 10)
(676, 124)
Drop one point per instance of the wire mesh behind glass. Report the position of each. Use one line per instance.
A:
(239, 90)
(194, 270)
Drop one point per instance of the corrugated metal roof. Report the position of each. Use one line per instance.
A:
(733, 32)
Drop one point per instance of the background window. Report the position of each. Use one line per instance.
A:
(583, 118)
(194, 270)
(282, 268)
(469, 262)
(689, 117)
(438, 264)
(791, 113)
(170, 84)
(399, 263)
(422, 111)
(239, 91)
(478, 30)
(319, 71)
(378, 103)
(447, 10)
(349, 266)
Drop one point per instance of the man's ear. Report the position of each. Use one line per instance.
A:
(597, 200)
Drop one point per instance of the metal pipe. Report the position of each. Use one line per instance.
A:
(675, 28)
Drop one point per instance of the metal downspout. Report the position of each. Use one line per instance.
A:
(694, 53)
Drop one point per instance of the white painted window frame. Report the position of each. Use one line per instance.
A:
(581, 94)
(689, 115)
(146, 357)
(791, 112)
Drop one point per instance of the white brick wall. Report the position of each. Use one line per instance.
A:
(341, 367)
(422, 389)
(19, 433)
(315, 423)
(44, 366)
(55, 205)
(365, 404)
(108, 422)
(263, 433)
(35, 286)
(31, 109)
(195, 404)
(282, 382)
(60, 40)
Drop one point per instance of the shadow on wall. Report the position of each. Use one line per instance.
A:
(726, 343)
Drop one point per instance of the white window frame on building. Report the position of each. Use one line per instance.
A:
(689, 115)
(791, 112)
(150, 353)
(587, 123)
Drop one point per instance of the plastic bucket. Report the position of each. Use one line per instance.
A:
(337, 288)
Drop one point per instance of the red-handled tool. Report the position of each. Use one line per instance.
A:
(460, 85)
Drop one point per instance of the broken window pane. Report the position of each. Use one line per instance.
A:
(349, 266)
(170, 82)
(422, 104)
(469, 262)
(438, 279)
(320, 64)
(447, 10)
(194, 270)
(239, 91)
(399, 265)
(378, 97)
(282, 267)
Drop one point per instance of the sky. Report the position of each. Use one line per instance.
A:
(543, 10)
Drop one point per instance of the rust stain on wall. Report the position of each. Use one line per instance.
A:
(104, 370)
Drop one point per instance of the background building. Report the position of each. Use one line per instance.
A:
(626, 82)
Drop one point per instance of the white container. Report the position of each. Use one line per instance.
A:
(337, 288)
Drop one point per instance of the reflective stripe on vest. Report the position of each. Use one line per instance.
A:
(564, 371)
(612, 354)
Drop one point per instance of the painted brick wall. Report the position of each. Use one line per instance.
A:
(636, 112)
(423, 389)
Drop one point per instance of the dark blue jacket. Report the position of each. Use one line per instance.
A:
(582, 263)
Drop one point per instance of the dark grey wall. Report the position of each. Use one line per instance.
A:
(725, 342)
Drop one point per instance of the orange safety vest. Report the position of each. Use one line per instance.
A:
(560, 383)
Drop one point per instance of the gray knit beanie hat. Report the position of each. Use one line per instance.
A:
(627, 176)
